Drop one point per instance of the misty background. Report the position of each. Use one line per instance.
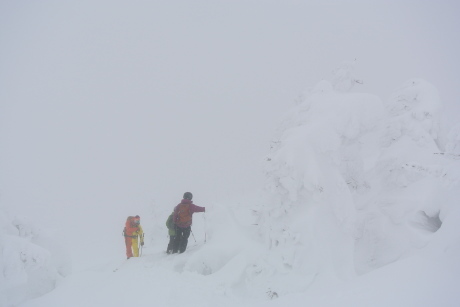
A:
(111, 108)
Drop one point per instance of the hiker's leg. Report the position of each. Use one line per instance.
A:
(136, 247)
(170, 248)
(184, 241)
(177, 240)
(129, 251)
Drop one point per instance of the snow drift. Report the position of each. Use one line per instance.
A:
(355, 183)
(361, 200)
(30, 260)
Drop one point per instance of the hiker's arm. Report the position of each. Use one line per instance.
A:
(196, 208)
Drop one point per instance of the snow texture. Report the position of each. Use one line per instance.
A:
(32, 263)
(360, 209)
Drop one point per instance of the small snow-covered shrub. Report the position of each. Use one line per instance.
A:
(31, 262)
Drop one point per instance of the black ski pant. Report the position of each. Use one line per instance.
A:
(170, 248)
(181, 240)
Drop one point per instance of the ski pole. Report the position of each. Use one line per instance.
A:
(142, 246)
(204, 217)
(193, 235)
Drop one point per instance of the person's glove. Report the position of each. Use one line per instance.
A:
(142, 243)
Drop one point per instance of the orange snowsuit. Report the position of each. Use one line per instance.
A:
(133, 232)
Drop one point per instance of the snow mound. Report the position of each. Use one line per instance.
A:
(324, 146)
(360, 201)
(31, 262)
(354, 183)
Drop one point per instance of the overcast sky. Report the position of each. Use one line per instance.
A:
(111, 105)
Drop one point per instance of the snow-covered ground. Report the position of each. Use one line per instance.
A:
(360, 209)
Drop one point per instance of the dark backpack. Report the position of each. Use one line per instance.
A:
(184, 216)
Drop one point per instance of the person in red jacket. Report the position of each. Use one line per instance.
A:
(183, 220)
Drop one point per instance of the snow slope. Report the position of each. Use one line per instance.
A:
(425, 279)
(360, 209)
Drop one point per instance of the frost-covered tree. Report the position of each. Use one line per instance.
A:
(399, 212)
(343, 78)
(352, 183)
(453, 142)
(316, 163)
(30, 261)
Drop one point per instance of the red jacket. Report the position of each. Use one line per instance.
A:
(192, 209)
(131, 229)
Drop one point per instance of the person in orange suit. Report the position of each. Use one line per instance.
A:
(133, 233)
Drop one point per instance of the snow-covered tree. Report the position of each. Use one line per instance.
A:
(352, 182)
(316, 164)
(343, 78)
(399, 212)
(30, 261)
(453, 141)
